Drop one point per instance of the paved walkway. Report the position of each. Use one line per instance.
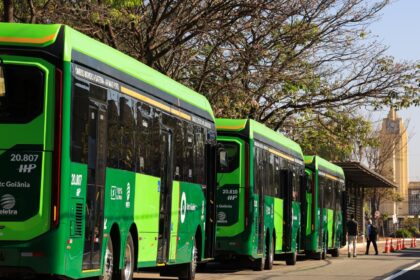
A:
(361, 246)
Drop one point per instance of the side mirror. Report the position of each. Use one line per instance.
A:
(223, 162)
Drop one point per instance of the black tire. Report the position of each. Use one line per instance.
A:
(324, 253)
(291, 258)
(108, 261)
(258, 264)
(190, 268)
(318, 255)
(335, 253)
(324, 247)
(269, 254)
(126, 273)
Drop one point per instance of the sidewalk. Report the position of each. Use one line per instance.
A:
(361, 246)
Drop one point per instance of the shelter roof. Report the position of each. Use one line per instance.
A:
(363, 176)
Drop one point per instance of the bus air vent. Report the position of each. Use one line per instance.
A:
(78, 219)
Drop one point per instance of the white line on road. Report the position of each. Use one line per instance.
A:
(402, 271)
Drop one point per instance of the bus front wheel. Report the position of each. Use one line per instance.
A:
(190, 268)
(108, 262)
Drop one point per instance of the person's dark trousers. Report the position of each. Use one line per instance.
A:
(373, 240)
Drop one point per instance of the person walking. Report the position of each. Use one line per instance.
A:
(352, 232)
(372, 233)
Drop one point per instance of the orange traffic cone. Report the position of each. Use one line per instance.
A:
(392, 247)
(387, 249)
(398, 245)
(403, 244)
(415, 242)
(412, 243)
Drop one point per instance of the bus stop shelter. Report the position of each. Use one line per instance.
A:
(358, 179)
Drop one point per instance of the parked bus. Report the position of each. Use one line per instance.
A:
(325, 208)
(260, 180)
(107, 165)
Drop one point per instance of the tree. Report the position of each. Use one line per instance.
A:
(8, 9)
(284, 63)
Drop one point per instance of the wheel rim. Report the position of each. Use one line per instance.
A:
(272, 252)
(194, 259)
(128, 261)
(109, 261)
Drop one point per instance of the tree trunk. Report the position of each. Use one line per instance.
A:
(8, 10)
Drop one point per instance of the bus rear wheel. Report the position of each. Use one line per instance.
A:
(128, 268)
(108, 261)
(258, 264)
(335, 253)
(291, 258)
(269, 254)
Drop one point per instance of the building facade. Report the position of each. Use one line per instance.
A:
(394, 154)
(414, 199)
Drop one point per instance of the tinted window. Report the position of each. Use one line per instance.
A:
(179, 151)
(23, 97)
(199, 155)
(127, 124)
(143, 138)
(228, 157)
(79, 123)
(188, 152)
(155, 149)
(114, 131)
(296, 183)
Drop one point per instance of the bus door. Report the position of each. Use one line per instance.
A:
(321, 214)
(166, 148)
(260, 189)
(210, 200)
(95, 186)
(305, 187)
(287, 185)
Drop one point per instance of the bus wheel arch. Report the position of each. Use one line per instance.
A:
(135, 236)
(199, 242)
(115, 238)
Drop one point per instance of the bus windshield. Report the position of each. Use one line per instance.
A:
(228, 157)
(21, 93)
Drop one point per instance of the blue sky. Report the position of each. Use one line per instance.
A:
(399, 28)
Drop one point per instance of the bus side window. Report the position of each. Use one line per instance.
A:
(114, 135)
(189, 152)
(266, 172)
(79, 122)
(284, 165)
(256, 169)
(277, 182)
(127, 134)
(271, 176)
(321, 191)
(179, 150)
(295, 183)
(143, 138)
(155, 151)
(199, 155)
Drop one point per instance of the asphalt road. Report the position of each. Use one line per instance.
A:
(383, 266)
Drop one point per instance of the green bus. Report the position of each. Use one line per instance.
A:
(107, 165)
(325, 198)
(260, 180)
